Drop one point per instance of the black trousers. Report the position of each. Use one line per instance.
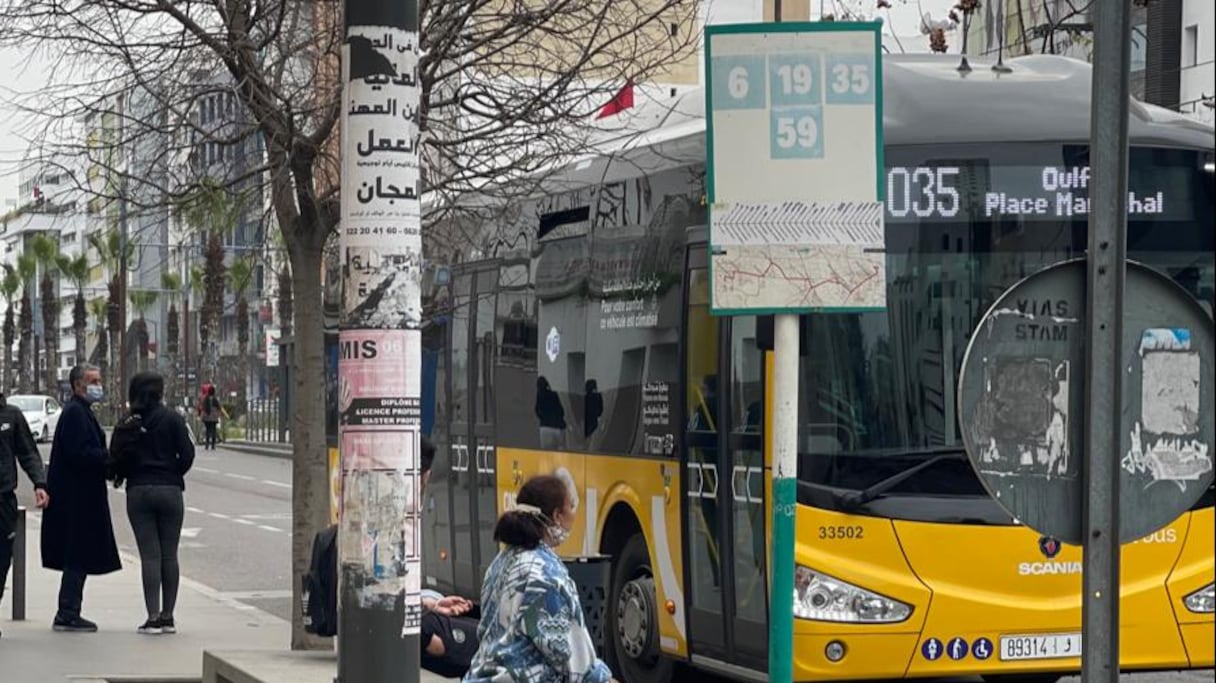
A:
(212, 433)
(71, 594)
(8, 532)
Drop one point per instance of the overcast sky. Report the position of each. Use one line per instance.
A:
(18, 74)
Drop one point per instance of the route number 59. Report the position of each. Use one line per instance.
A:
(803, 132)
(796, 132)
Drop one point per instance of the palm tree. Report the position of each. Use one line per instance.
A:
(197, 289)
(142, 300)
(77, 270)
(9, 287)
(27, 269)
(172, 284)
(240, 275)
(46, 253)
(98, 308)
(213, 210)
(109, 254)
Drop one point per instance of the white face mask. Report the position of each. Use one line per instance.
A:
(558, 535)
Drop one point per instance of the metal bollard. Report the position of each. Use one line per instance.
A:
(19, 568)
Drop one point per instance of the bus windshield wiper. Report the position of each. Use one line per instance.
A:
(855, 499)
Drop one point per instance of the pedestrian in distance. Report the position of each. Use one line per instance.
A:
(210, 409)
(532, 627)
(77, 536)
(151, 452)
(16, 446)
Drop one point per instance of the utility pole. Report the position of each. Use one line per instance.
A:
(379, 371)
(1107, 273)
(122, 260)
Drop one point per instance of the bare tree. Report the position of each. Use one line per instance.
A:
(509, 89)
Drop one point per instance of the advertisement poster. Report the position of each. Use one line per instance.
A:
(379, 342)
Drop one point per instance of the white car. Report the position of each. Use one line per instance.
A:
(41, 412)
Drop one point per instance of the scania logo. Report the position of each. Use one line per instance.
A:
(1049, 546)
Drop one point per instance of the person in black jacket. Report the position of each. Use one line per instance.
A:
(155, 479)
(16, 445)
(77, 535)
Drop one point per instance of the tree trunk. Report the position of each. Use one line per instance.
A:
(50, 334)
(116, 338)
(242, 354)
(285, 302)
(10, 333)
(310, 472)
(103, 350)
(172, 348)
(25, 346)
(80, 324)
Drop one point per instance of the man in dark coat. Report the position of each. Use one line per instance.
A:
(77, 535)
(16, 445)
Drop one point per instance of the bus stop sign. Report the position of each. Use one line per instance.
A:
(1022, 392)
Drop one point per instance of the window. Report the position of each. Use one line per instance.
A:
(1190, 46)
(632, 386)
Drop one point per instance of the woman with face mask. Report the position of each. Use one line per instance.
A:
(532, 628)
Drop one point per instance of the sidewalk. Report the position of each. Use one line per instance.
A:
(31, 653)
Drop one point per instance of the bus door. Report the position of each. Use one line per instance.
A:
(472, 424)
(724, 482)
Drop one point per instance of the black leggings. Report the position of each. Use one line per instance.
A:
(212, 433)
(156, 514)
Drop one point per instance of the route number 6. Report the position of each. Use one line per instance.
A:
(803, 131)
(850, 77)
(737, 82)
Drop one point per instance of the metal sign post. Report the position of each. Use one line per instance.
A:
(379, 367)
(794, 137)
(1104, 337)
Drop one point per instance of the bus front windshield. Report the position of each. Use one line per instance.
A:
(963, 224)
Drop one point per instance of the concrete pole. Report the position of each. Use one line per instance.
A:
(379, 369)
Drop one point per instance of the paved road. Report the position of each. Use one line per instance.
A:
(237, 535)
(236, 539)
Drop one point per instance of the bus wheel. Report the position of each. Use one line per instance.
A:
(633, 618)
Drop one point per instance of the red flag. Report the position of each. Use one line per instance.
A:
(622, 101)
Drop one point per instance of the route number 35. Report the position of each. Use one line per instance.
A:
(850, 78)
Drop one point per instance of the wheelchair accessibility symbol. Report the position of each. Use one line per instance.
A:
(981, 648)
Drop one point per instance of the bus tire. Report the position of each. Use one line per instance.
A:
(633, 629)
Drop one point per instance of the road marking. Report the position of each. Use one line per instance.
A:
(219, 515)
(243, 521)
(270, 528)
(191, 532)
(196, 510)
(208, 470)
(242, 477)
(276, 483)
(257, 595)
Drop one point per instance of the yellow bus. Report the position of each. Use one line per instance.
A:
(571, 333)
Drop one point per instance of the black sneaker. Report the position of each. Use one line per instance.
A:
(151, 627)
(74, 625)
(167, 626)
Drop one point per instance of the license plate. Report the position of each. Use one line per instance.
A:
(1040, 646)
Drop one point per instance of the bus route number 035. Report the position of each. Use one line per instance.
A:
(922, 191)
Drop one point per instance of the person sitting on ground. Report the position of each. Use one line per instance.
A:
(532, 626)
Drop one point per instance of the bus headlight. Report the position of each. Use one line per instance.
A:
(1202, 600)
(820, 597)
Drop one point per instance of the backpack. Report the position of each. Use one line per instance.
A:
(321, 585)
(128, 445)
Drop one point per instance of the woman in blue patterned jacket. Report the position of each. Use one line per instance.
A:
(532, 628)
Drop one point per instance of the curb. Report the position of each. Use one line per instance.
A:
(270, 451)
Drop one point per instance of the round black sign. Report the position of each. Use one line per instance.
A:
(1022, 393)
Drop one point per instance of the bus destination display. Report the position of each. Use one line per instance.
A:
(980, 192)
